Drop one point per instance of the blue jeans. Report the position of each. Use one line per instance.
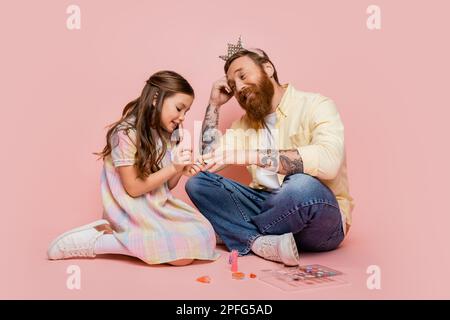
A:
(240, 214)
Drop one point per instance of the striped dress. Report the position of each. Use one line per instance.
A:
(155, 227)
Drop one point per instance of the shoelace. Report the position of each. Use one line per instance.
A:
(269, 249)
(73, 249)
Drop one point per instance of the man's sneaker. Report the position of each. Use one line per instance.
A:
(280, 248)
(76, 243)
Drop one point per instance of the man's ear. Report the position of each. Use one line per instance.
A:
(268, 68)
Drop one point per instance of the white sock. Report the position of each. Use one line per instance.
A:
(108, 244)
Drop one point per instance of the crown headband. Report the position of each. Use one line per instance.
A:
(232, 49)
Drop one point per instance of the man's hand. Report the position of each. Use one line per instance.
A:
(197, 167)
(234, 157)
(285, 162)
(220, 93)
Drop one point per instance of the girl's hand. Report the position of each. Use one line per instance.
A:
(182, 153)
(181, 157)
(191, 170)
(197, 167)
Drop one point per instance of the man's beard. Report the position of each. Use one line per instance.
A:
(259, 102)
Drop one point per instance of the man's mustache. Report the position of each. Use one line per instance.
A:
(244, 93)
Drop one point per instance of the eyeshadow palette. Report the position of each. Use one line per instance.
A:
(303, 277)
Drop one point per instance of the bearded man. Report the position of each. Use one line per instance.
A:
(292, 142)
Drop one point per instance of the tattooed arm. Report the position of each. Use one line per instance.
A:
(211, 136)
(290, 162)
(220, 94)
(210, 131)
(285, 162)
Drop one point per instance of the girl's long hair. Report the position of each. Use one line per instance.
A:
(143, 115)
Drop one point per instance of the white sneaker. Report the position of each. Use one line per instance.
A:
(280, 248)
(76, 243)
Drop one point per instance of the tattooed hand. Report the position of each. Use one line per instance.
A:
(291, 162)
(285, 162)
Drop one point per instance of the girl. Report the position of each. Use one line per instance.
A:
(141, 165)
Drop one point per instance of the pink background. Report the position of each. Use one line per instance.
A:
(60, 88)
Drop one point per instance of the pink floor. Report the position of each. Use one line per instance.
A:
(407, 271)
(112, 277)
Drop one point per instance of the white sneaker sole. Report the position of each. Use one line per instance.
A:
(288, 250)
(82, 228)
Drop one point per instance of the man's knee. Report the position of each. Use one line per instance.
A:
(302, 180)
(197, 183)
(192, 185)
(305, 188)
